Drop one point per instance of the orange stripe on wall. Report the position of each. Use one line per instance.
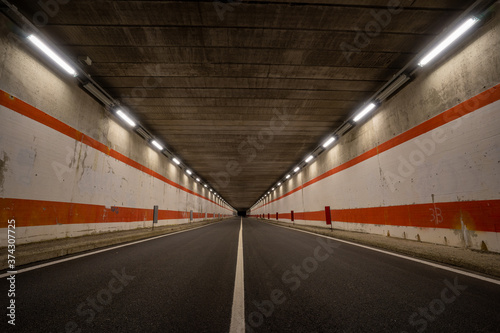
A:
(31, 112)
(476, 215)
(487, 97)
(28, 213)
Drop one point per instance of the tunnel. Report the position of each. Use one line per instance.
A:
(250, 166)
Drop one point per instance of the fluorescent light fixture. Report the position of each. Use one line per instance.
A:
(364, 112)
(279, 184)
(287, 176)
(272, 189)
(157, 145)
(328, 142)
(296, 169)
(448, 41)
(52, 55)
(395, 85)
(205, 185)
(308, 159)
(98, 94)
(268, 192)
(126, 118)
(344, 128)
(210, 190)
(176, 161)
(198, 180)
(189, 172)
(145, 135)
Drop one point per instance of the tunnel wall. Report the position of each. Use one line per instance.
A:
(69, 168)
(425, 166)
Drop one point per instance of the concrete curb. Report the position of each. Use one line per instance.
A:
(33, 252)
(485, 263)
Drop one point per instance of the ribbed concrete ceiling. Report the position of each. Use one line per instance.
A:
(204, 81)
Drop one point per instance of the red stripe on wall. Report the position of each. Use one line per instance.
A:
(28, 213)
(31, 112)
(475, 215)
(487, 97)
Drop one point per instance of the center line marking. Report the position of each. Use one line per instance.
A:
(238, 310)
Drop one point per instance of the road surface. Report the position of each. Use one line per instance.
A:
(292, 282)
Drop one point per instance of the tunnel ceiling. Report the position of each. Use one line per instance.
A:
(205, 77)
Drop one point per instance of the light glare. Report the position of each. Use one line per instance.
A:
(365, 111)
(157, 145)
(126, 118)
(328, 142)
(448, 41)
(45, 49)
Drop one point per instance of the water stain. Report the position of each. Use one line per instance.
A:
(3, 169)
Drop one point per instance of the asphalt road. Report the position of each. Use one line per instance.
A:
(293, 282)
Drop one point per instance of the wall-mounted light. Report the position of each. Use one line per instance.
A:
(176, 161)
(296, 169)
(189, 172)
(344, 128)
(328, 142)
(287, 176)
(205, 185)
(279, 184)
(98, 94)
(364, 112)
(198, 180)
(395, 85)
(156, 144)
(448, 41)
(309, 158)
(126, 118)
(52, 55)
